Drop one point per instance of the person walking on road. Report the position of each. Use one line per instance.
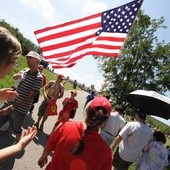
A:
(133, 137)
(28, 88)
(36, 98)
(70, 105)
(113, 125)
(79, 146)
(53, 90)
(89, 97)
(154, 155)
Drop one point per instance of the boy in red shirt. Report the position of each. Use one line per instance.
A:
(69, 104)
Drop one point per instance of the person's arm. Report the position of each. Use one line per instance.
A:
(46, 87)
(7, 109)
(116, 142)
(10, 151)
(43, 159)
(17, 76)
(7, 94)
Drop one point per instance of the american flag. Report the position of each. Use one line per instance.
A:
(100, 34)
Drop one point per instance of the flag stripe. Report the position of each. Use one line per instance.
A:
(47, 30)
(99, 34)
(69, 32)
(74, 43)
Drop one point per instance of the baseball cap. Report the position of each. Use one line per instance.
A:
(102, 102)
(34, 55)
(61, 76)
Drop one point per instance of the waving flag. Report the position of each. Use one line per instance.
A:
(100, 34)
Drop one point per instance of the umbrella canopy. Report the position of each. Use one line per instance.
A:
(150, 102)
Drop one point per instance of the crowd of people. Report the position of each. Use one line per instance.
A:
(104, 141)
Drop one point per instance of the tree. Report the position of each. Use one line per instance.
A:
(26, 44)
(144, 62)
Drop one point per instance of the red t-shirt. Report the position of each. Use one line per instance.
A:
(71, 103)
(66, 111)
(96, 154)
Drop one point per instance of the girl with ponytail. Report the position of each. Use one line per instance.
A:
(79, 146)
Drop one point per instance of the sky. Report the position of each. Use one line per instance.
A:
(31, 15)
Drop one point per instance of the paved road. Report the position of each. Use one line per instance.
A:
(28, 159)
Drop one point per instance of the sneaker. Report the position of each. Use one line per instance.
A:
(37, 125)
(41, 127)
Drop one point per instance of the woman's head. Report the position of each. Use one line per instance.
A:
(10, 48)
(159, 137)
(97, 113)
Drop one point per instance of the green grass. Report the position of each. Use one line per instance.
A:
(8, 80)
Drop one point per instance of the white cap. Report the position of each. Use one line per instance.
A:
(34, 55)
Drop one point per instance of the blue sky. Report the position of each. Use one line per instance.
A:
(30, 15)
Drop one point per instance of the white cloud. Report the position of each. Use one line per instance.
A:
(94, 7)
(44, 7)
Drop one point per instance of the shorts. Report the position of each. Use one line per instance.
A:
(64, 116)
(119, 163)
(42, 108)
(16, 120)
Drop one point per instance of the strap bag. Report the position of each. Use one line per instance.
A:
(52, 108)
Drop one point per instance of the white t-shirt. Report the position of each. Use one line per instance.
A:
(114, 123)
(136, 136)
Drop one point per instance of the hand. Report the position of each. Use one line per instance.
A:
(7, 94)
(46, 98)
(5, 111)
(42, 161)
(29, 134)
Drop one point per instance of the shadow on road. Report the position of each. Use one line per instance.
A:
(41, 138)
(7, 139)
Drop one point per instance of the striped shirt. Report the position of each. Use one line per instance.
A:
(29, 83)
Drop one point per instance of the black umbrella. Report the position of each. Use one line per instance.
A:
(150, 102)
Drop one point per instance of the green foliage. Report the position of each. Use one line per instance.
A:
(143, 64)
(159, 125)
(26, 44)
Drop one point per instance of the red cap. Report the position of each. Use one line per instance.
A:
(100, 101)
(61, 76)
